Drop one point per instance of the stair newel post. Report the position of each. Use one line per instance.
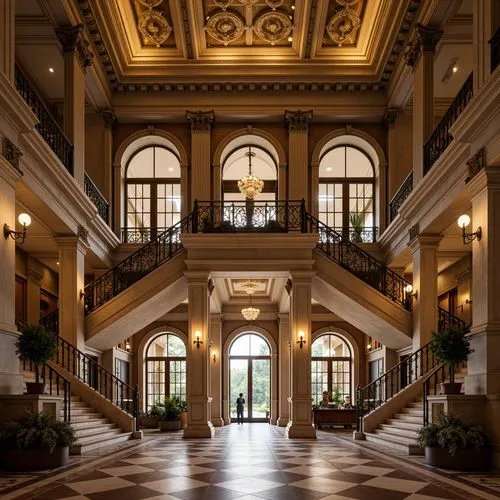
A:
(386, 382)
(194, 221)
(135, 398)
(359, 408)
(303, 216)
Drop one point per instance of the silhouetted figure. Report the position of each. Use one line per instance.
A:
(240, 406)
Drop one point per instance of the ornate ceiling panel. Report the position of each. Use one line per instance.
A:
(275, 45)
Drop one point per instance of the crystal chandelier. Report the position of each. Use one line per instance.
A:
(250, 313)
(250, 185)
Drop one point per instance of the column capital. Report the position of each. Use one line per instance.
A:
(425, 41)
(73, 42)
(197, 277)
(390, 116)
(200, 120)
(425, 240)
(71, 242)
(298, 121)
(299, 276)
(109, 118)
(487, 177)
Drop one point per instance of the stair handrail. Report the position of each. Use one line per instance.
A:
(415, 366)
(370, 270)
(108, 385)
(137, 265)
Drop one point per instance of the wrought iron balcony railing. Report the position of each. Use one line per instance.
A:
(97, 198)
(401, 194)
(141, 234)
(47, 126)
(441, 137)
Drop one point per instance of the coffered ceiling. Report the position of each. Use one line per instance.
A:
(154, 45)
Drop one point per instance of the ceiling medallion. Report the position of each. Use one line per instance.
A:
(223, 4)
(274, 4)
(273, 26)
(225, 27)
(154, 27)
(150, 3)
(343, 25)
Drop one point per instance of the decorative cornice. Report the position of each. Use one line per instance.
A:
(390, 116)
(109, 118)
(476, 164)
(12, 154)
(73, 42)
(298, 120)
(200, 120)
(426, 39)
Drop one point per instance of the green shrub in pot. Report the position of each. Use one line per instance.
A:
(170, 419)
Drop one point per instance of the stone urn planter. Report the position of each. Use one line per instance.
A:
(451, 388)
(463, 459)
(36, 387)
(34, 459)
(170, 425)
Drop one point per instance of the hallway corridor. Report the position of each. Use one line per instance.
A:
(248, 462)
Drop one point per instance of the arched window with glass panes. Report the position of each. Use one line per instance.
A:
(331, 366)
(346, 193)
(152, 193)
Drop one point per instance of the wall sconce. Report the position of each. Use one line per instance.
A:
(82, 294)
(197, 341)
(20, 236)
(214, 357)
(463, 221)
(409, 291)
(301, 340)
(369, 347)
(468, 301)
(127, 346)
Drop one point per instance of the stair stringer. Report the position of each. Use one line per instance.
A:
(102, 405)
(393, 405)
(361, 305)
(139, 305)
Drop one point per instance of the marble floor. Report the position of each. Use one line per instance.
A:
(248, 462)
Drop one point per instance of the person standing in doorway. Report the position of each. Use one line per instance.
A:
(240, 405)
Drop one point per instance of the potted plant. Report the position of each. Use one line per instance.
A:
(37, 345)
(451, 346)
(151, 418)
(35, 441)
(169, 420)
(450, 444)
(357, 221)
(182, 412)
(336, 397)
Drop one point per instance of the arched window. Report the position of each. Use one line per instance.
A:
(165, 368)
(346, 192)
(250, 374)
(152, 193)
(331, 367)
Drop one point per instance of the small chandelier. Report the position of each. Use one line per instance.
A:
(250, 313)
(250, 185)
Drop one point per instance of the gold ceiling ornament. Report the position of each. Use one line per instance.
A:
(248, 2)
(250, 185)
(155, 28)
(347, 3)
(225, 27)
(223, 4)
(343, 25)
(250, 313)
(273, 26)
(150, 4)
(274, 4)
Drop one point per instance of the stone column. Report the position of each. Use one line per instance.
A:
(185, 199)
(118, 200)
(425, 272)
(7, 40)
(77, 58)
(198, 376)
(483, 16)
(11, 381)
(201, 124)
(33, 296)
(420, 56)
(284, 369)
(110, 121)
(216, 369)
(298, 154)
(72, 250)
(300, 424)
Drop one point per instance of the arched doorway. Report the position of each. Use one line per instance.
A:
(250, 374)
(165, 363)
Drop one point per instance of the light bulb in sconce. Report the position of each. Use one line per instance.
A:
(214, 356)
(369, 346)
(127, 346)
(197, 342)
(409, 291)
(301, 340)
(25, 220)
(463, 221)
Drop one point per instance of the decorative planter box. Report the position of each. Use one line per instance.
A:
(333, 416)
(466, 460)
(34, 459)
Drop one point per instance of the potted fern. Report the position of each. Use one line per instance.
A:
(35, 441)
(451, 346)
(37, 345)
(357, 222)
(450, 444)
(170, 418)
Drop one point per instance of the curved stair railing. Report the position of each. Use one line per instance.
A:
(417, 365)
(359, 262)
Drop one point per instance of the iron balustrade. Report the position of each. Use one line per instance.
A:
(46, 126)
(441, 137)
(249, 215)
(360, 263)
(136, 266)
(364, 235)
(430, 386)
(495, 49)
(401, 194)
(415, 366)
(51, 322)
(89, 371)
(140, 234)
(96, 198)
